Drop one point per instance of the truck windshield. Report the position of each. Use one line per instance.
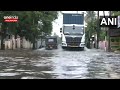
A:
(50, 40)
(68, 30)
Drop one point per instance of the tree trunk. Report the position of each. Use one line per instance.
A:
(109, 46)
(89, 43)
(2, 42)
(16, 41)
(34, 43)
(98, 31)
(3, 31)
(89, 39)
(33, 37)
(41, 43)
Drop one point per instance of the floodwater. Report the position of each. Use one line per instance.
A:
(59, 64)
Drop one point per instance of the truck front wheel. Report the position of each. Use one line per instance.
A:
(63, 47)
(82, 48)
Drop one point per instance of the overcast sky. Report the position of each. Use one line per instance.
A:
(57, 24)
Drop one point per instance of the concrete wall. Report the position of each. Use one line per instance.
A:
(39, 43)
(103, 45)
(17, 43)
(10, 43)
(27, 44)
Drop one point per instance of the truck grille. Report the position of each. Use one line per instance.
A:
(73, 41)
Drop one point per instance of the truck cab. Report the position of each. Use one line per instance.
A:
(72, 31)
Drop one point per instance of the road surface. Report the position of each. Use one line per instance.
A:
(59, 64)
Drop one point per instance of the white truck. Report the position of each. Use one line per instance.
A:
(72, 31)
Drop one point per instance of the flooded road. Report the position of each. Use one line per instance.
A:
(59, 64)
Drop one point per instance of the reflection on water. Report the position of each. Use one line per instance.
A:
(8, 74)
(58, 64)
(30, 77)
(24, 68)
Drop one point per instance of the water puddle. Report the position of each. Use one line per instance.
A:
(29, 77)
(8, 70)
(9, 74)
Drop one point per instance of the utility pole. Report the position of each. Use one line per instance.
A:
(105, 34)
(33, 36)
(98, 30)
(109, 49)
(3, 32)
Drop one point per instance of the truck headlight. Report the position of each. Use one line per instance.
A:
(63, 43)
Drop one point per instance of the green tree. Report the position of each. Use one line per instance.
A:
(27, 25)
(91, 26)
(4, 27)
(115, 13)
(90, 16)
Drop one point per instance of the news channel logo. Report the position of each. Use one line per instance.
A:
(109, 21)
(10, 18)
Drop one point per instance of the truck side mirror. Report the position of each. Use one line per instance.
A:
(60, 30)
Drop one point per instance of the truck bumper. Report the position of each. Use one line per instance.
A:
(81, 45)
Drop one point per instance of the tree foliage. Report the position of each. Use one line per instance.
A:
(27, 24)
(28, 20)
(90, 16)
(115, 13)
(91, 26)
